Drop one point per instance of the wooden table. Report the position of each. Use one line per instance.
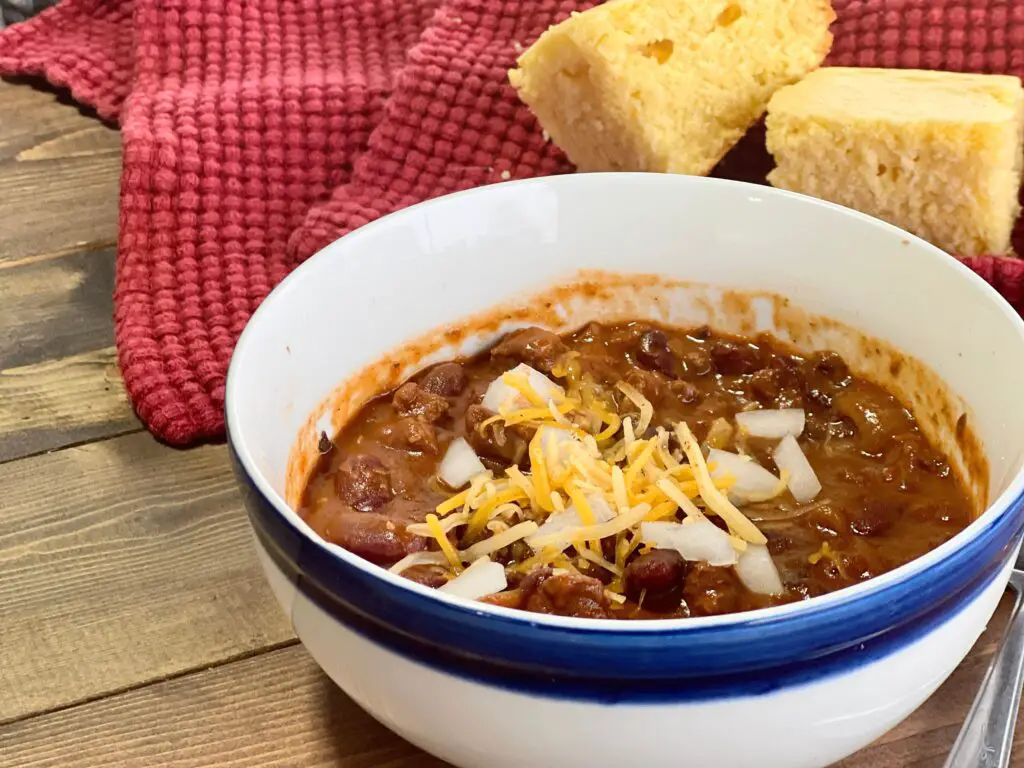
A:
(135, 625)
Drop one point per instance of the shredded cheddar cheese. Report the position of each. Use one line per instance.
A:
(442, 541)
(716, 500)
(825, 551)
(604, 468)
(597, 559)
(641, 402)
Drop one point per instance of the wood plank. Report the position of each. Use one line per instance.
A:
(55, 307)
(40, 121)
(123, 562)
(59, 175)
(59, 382)
(49, 405)
(58, 205)
(277, 709)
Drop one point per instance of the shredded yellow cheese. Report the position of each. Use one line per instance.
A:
(442, 541)
(608, 461)
(482, 515)
(619, 493)
(418, 558)
(641, 402)
(824, 551)
(539, 473)
(499, 541)
(447, 524)
(622, 522)
(597, 559)
(628, 434)
(545, 557)
(451, 504)
(677, 495)
(521, 384)
(581, 503)
(724, 508)
(609, 432)
(637, 465)
(662, 511)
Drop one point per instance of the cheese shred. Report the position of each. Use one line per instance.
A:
(442, 541)
(606, 471)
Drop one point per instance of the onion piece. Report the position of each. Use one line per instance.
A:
(484, 577)
(501, 397)
(752, 480)
(695, 540)
(772, 423)
(802, 482)
(570, 519)
(757, 571)
(460, 464)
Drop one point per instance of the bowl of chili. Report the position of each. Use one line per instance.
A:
(603, 469)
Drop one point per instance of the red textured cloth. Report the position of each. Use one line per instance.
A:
(257, 131)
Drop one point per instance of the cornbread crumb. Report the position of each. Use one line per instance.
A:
(665, 85)
(936, 153)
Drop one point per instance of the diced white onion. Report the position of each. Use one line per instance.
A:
(752, 480)
(696, 540)
(774, 424)
(482, 578)
(802, 482)
(501, 397)
(460, 464)
(757, 571)
(561, 521)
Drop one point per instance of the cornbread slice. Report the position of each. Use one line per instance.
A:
(666, 85)
(936, 153)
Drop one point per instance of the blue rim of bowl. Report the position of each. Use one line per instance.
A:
(874, 618)
(749, 656)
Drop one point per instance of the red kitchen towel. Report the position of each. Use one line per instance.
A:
(257, 131)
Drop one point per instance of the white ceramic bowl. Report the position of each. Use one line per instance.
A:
(799, 685)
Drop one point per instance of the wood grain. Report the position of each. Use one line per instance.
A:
(36, 115)
(274, 710)
(123, 562)
(55, 307)
(59, 382)
(277, 709)
(55, 403)
(59, 176)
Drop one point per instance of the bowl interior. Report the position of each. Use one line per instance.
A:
(433, 265)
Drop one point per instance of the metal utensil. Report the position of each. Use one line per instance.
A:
(987, 734)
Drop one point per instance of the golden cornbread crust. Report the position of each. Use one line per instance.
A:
(667, 85)
(936, 153)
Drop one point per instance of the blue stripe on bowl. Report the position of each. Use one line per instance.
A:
(748, 656)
